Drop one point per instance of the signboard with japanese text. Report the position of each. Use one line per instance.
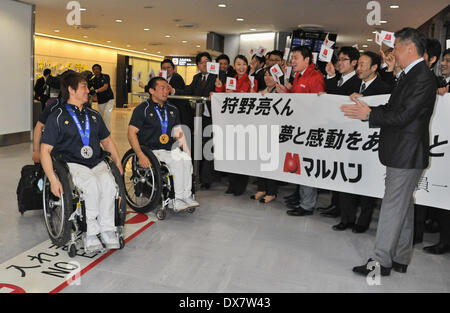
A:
(306, 139)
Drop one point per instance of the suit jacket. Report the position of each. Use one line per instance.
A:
(377, 87)
(404, 120)
(259, 77)
(39, 88)
(176, 82)
(350, 86)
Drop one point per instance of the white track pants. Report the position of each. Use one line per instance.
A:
(180, 165)
(106, 111)
(99, 189)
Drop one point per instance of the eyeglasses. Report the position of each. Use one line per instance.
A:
(343, 59)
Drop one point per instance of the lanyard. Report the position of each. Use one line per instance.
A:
(84, 134)
(165, 122)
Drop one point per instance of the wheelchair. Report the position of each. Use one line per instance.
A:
(65, 217)
(148, 188)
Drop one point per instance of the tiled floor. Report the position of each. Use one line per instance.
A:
(230, 244)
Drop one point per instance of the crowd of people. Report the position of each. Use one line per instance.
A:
(351, 73)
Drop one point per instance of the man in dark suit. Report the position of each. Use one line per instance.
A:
(41, 89)
(256, 70)
(203, 84)
(225, 66)
(443, 216)
(404, 150)
(344, 83)
(371, 85)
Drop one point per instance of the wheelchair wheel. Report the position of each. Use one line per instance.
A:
(142, 185)
(161, 214)
(121, 206)
(57, 211)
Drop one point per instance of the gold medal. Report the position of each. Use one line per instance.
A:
(164, 138)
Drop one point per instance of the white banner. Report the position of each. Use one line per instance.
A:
(306, 139)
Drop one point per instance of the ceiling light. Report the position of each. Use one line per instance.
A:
(146, 29)
(118, 21)
(82, 9)
(374, 32)
(252, 29)
(383, 22)
(128, 46)
(239, 19)
(108, 41)
(85, 36)
(167, 36)
(362, 51)
(198, 46)
(369, 39)
(222, 5)
(158, 52)
(56, 30)
(184, 41)
(394, 6)
(145, 49)
(364, 46)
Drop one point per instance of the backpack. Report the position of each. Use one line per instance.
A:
(29, 190)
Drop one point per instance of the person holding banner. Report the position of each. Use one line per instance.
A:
(403, 148)
(241, 83)
(307, 80)
(266, 188)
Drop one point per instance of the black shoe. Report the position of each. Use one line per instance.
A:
(367, 268)
(299, 212)
(343, 226)
(358, 229)
(398, 267)
(327, 209)
(205, 186)
(440, 248)
(334, 213)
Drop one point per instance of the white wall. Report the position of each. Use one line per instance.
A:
(249, 41)
(16, 70)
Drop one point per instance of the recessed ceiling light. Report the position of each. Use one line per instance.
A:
(394, 6)
(374, 32)
(82, 9)
(118, 21)
(145, 49)
(198, 46)
(128, 46)
(158, 52)
(369, 39)
(146, 29)
(56, 30)
(85, 36)
(167, 36)
(184, 41)
(383, 22)
(252, 29)
(222, 5)
(240, 19)
(361, 51)
(364, 46)
(108, 41)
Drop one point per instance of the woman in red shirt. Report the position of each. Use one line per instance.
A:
(238, 183)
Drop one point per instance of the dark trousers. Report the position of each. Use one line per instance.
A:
(206, 166)
(268, 185)
(349, 207)
(237, 183)
(443, 218)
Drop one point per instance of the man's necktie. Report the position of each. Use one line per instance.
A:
(363, 88)
(203, 81)
(402, 75)
(340, 81)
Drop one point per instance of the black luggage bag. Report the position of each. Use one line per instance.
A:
(29, 190)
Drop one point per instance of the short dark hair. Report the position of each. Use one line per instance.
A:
(167, 61)
(433, 49)
(260, 59)
(223, 57)
(446, 51)
(375, 59)
(278, 53)
(152, 83)
(351, 52)
(97, 65)
(47, 71)
(305, 51)
(201, 55)
(70, 79)
(242, 57)
(414, 36)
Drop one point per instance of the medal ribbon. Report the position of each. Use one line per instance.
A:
(84, 134)
(165, 122)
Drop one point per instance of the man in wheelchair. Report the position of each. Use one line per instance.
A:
(155, 123)
(75, 132)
